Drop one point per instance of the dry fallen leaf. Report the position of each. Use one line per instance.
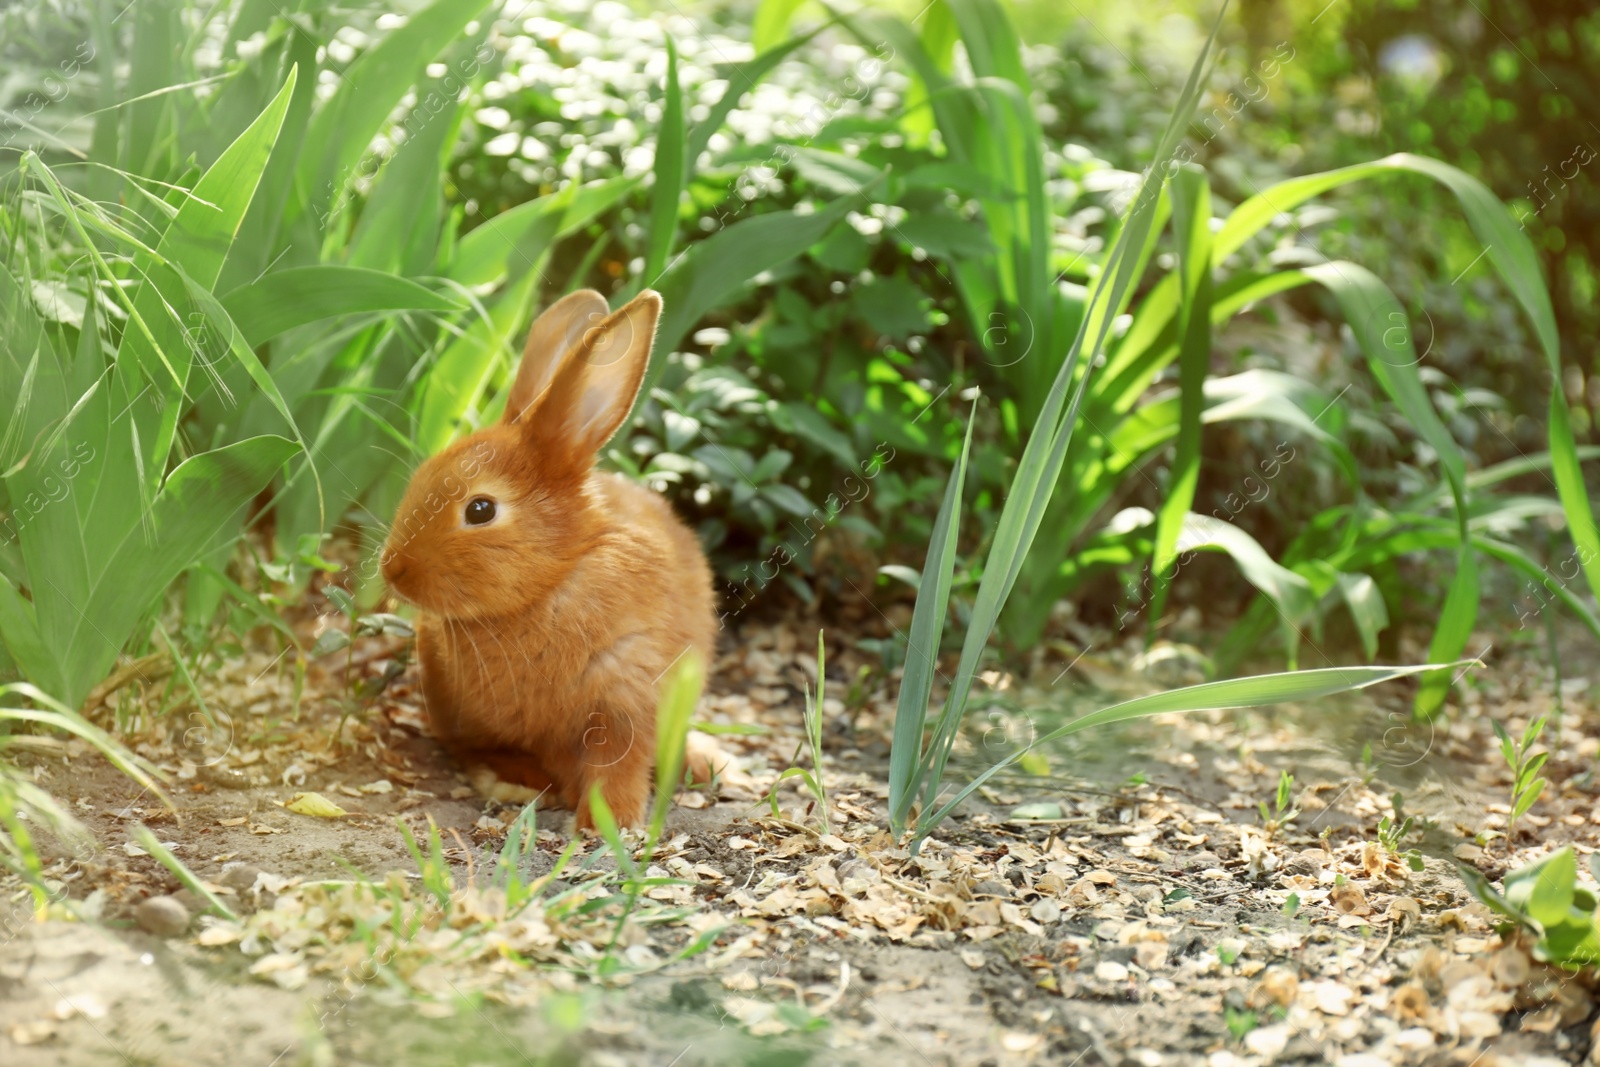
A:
(1404, 912)
(1330, 998)
(33, 1033)
(315, 804)
(1278, 988)
(1348, 899)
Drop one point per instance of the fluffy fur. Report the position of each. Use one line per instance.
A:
(545, 634)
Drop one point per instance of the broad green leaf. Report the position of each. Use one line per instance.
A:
(343, 127)
(19, 629)
(1544, 891)
(669, 174)
(711, 271)
(285, 299)
(1384, 334)
(945, 236)
(198, 505)
(772, 23)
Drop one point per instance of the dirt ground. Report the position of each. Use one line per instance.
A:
(1119, 901)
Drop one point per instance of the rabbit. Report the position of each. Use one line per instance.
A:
(553, 598)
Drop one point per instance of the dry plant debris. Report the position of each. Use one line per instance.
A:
(1152, 917)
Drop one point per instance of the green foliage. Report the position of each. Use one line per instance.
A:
(917, 768)
(24, 807)
(1526, 784)
(1240, 1021)
(1545, 899)
(1282, 812)
(304, 247)
(1393, 831)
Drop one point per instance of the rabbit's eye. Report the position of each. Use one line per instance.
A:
(480, 509)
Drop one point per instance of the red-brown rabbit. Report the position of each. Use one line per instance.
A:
(553, 597)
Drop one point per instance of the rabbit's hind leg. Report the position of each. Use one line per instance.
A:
(511, 777)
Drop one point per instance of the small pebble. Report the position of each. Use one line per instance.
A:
(162, 916)
(239, 877)
(1110, 971)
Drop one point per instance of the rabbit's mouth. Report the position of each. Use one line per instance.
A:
(396, 570)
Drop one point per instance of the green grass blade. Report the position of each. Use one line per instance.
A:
(678, 698)
(196, 507)
(1043, 456)
(244, 355)
(285, 299)
(19, 629)
(771, 24)
(399, 226)
(1292, 687)
(669, 174)
(744, 77)
(341, 130)
(464, 369)
(1513, 257)
(151, 844)
(1191, 223)
(1288, 591)
(197, 245)
(1520, 561)
(54, 713)
(1383, 331)
(1370, 614)
(922, 646)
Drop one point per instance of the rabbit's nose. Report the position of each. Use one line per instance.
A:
(392, 565)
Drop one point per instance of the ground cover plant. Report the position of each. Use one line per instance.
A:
(1148, 633)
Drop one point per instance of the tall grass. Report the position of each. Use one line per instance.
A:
(991, 137)
(305, 314)
(918, 762)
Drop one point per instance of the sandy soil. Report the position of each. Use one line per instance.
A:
(1135, 911)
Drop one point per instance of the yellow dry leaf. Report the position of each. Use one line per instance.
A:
(315, 804)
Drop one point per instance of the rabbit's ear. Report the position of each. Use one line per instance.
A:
(595, 387)
(554, 334)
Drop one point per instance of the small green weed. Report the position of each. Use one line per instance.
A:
(813, 720)
(1526, 785)
(1283, 811)
(1393, 831)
